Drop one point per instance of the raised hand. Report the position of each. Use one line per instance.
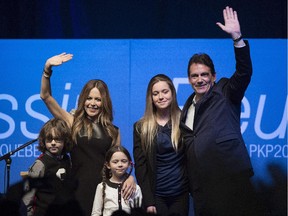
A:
(58, 60)
(231, 23)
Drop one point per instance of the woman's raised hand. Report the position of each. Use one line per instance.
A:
(58, 60)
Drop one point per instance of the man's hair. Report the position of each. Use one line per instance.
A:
(201, 58)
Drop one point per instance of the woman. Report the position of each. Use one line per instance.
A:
(92, 131)
(159, 153)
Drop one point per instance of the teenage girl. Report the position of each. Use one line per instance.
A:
(159, 153)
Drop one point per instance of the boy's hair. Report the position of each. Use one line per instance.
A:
(61, 131)
(107, 173)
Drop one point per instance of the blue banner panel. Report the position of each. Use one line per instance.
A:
(127, 66)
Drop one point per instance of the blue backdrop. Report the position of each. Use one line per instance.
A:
(127, 66)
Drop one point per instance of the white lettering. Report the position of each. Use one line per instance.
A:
(245, 114)
(7, 118)
(4, 149)
(268, 150)
(66, 96)
(280, 131)
(32, 113)
(246, 121)
(178, 81)
(29, 151)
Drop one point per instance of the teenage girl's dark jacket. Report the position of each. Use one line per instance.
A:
(146, 169)
(215, 148)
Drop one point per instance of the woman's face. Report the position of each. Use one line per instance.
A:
(161, 95)
(93, 103)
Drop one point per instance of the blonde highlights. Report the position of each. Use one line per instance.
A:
(147, 127)
(105, 117)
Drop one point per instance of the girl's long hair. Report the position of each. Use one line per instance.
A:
(105, 117)
(147, 127)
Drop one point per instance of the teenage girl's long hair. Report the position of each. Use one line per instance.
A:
(106, 173)
(147, 127)
(105, 117)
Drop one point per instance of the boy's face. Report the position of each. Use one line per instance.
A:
(54, 146)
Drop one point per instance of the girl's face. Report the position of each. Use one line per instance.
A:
(118, 165)
(54, 145)
(93, 103)
(161, 95)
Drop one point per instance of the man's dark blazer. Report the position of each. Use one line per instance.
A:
(215, 148)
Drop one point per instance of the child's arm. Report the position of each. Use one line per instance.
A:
(35, 171)
(98, 201)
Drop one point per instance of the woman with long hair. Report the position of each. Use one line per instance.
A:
(159, 153)
(92, 131)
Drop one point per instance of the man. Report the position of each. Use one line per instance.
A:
(218, 163)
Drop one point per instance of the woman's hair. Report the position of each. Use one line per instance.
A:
(147, 126)
(61, 131)
(105, 117)
(106, 173)
(201, 58)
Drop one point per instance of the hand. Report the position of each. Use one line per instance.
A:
(136, 203)
(136, 207)
(57, 60)
(231, 25)
(128, 188)
(151, 209)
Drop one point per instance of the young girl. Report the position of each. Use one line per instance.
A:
(51, 168)
(108, 197)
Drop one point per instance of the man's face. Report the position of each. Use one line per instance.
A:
(201, 79)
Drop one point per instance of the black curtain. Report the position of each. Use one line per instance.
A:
(138, 18)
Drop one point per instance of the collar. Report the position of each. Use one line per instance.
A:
(194, 100)
(113, 184)
(56, 157)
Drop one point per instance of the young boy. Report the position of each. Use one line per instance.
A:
(51, 168)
